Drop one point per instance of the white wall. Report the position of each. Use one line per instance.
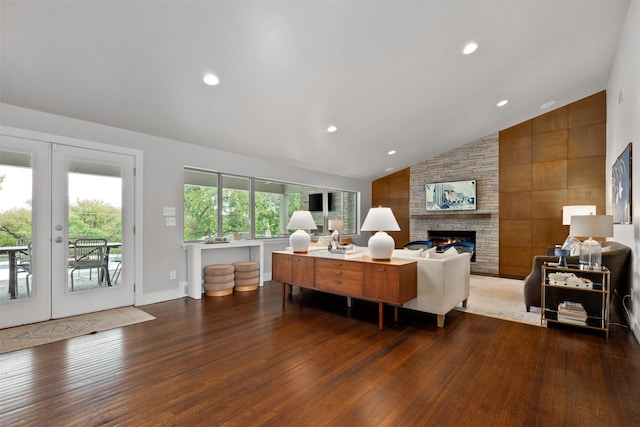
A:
(164, 162)
(623, 126)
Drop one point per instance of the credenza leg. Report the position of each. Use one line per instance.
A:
(349, 303)
(395, 314)
(284, 292)
(380, 315)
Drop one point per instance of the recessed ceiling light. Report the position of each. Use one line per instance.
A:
(211, 79)
(392, 152)
(388, 169)
(502, 103)
(547, 104)
(332, 129)
(470, 48)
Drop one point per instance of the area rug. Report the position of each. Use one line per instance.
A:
(499, 298)
(20, 337)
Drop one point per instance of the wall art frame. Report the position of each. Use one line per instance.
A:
(621, 181)
(452, 196)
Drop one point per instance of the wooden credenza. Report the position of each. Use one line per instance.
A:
(391, 282)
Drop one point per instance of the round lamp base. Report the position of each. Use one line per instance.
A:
(381, 245)
(299, 241)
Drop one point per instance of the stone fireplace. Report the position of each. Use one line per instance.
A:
(476, 160)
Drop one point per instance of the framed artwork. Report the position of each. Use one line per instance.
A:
(454, 196)
(621, 191)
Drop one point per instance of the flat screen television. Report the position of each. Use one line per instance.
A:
(315, 202)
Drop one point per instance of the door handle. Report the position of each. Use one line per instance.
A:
(58, 239)
(58, 227)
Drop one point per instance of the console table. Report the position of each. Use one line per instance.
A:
(194, 260)
(391, 282)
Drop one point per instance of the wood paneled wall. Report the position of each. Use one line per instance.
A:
(393, 191)
(551, 161)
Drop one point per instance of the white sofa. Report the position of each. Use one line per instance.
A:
(443, 282)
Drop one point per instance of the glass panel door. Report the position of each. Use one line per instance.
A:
(56, 202)
(25, 209)
(92, 221)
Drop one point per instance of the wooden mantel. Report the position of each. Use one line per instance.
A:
(453, 215)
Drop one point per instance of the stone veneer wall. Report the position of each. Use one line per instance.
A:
(476, 160)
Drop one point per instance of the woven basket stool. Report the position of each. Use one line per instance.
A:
(247, 276)
(219, 280)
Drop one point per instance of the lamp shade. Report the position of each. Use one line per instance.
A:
(336, 224)
(380, 219)
(300, 239)
(301, 220)
(574, 210)
(591, 225)
(381, 245)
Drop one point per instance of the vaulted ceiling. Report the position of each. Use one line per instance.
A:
(390, 75)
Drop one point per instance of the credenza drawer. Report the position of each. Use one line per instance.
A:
(340, 273)
(334, 264)
(339, 285)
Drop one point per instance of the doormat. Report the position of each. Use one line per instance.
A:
(20, 337)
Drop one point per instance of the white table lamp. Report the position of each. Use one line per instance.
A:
(300, 239)
(380, 219)
(591, 226)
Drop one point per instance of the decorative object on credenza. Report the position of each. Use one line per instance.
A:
(380, 219)
(453, 196)
(591, 226)
(300, 239)
(335, 226)
(621, 188)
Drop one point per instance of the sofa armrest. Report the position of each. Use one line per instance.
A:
(442, 283)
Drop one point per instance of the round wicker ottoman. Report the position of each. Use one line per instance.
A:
(247, 276)
(219, 280)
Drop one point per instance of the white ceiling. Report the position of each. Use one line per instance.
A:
(388, 74)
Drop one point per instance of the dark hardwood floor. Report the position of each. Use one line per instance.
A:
(243, 360)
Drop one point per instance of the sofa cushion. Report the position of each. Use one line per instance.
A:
(412, 253)
(431, 253)
(572, 244)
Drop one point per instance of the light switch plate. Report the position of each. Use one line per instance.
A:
(169, 211)
(170, 221)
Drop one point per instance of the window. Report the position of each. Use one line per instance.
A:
(258, 208)
(235, 206)
(200, 204)
(345, 207)
(273, 205)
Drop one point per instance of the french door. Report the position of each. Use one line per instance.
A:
(72, 195)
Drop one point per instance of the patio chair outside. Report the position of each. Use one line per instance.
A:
(117, 259)
(23, 260)
(89, 254)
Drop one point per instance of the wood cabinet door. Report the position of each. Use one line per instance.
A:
(281, 267)
(394, 284)
(381, 282)
(303, 270)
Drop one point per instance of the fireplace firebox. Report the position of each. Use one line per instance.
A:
(443, 238)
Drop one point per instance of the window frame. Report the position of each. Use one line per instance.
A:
(252, 199)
